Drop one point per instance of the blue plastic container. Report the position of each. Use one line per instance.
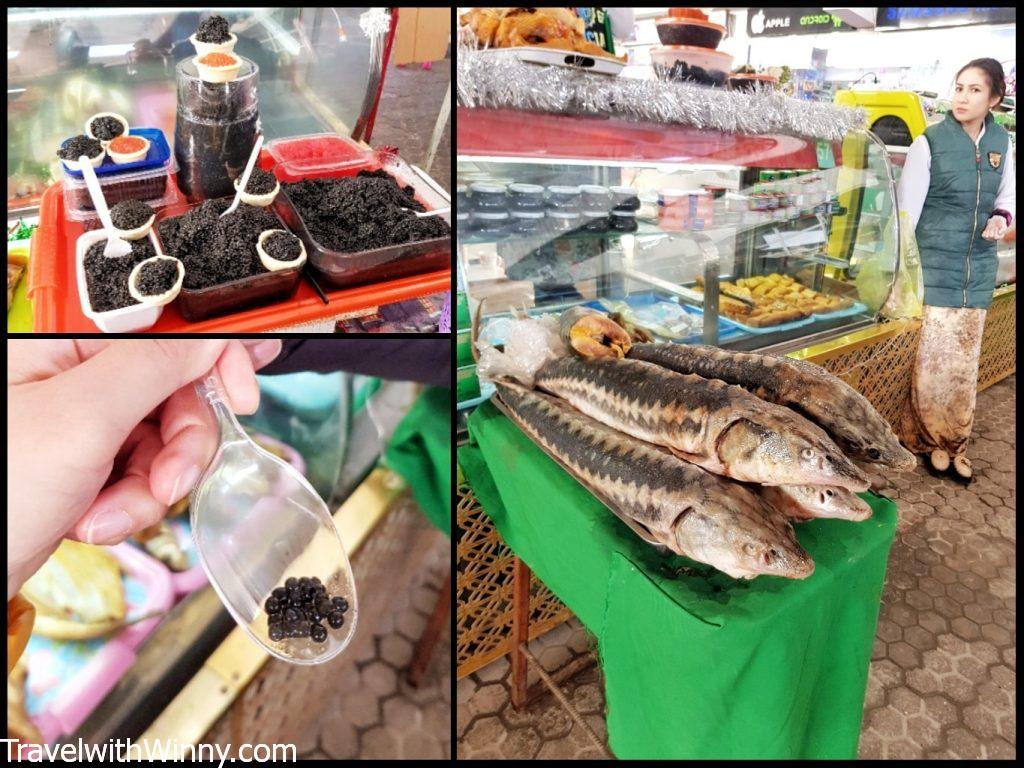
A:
(159, 152)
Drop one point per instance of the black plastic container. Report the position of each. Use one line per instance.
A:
(525, 197)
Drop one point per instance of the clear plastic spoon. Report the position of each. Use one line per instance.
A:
(256, 521)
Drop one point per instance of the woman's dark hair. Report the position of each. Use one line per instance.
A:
(993, 73)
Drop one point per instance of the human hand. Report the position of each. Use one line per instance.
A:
(995, 228)
(103, 436)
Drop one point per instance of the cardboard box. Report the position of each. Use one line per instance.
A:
(422, 35)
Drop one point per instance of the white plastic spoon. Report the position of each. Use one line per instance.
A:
(115, 248)
(245, 175)
(424, 214)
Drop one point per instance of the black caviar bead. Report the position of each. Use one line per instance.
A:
(280, 593)
(318, 633)
(316, 580)
(324, 606)
(276, 632)
(273, 605)
(336, 619)
(294, 595)
(304, 582)
(340, 603)
(299, 629)
(291, 581)
(291, 615)
(309, 594)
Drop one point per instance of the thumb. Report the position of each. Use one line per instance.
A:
(117, 388)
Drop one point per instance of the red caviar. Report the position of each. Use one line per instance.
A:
(217, 60)
(127, 144)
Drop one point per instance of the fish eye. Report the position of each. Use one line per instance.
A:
(807, 453)
(828, 492)
(750, 549)
(874, 453)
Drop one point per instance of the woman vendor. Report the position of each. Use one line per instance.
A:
(958, 188)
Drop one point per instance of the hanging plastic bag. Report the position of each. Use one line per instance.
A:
(905, 300)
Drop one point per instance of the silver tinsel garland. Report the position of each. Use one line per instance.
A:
(502, 81)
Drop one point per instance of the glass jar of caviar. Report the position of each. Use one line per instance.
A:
(623, 221)
(488, 196)
(525, 197)
(594, 197)
(527, 223)
(461, 198)
(624, 198)
(563, 198)
(489, 224)
(563, 221)
(595, 221)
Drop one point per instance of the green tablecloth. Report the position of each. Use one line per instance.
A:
(421, 452)
(696, 664)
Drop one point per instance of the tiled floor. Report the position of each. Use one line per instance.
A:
(376, 714)
(407, 112)
(942, 680)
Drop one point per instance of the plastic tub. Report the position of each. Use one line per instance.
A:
(694, 29)
(197, 304)
(388, 262)
(688, 63)
(317, 153)
(138, 317)
(155, 188)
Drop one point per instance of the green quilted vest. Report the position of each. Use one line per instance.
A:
(959, 265)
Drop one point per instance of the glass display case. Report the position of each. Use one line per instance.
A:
(64, 64)
(747, 242)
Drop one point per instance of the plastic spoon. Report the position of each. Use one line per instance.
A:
(245, 175)
(424, 214)
(115, 248)
(256, 521)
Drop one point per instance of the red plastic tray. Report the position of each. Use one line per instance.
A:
(53, 289)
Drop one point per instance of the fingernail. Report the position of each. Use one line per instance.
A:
(264, 352)
(184, 484)
(109, 527)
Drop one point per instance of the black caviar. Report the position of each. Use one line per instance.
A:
(298, 608)
(283, 246)
(260, 182)
(130, 214)
(106, 128)
(359, 213)
(106, 278)
(213, 30)
(216, 250)
(157, 277)
(79, 145)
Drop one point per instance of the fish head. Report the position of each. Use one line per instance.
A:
(885, 449)
(757, 543)
(832, 502)
(774, 452)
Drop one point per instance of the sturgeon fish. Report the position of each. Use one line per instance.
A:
(692, 512)
(808, 502)
(592, 334)
(720, 427)
(807, 388)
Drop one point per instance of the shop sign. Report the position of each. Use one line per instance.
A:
(764, 22)
(918, 17)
